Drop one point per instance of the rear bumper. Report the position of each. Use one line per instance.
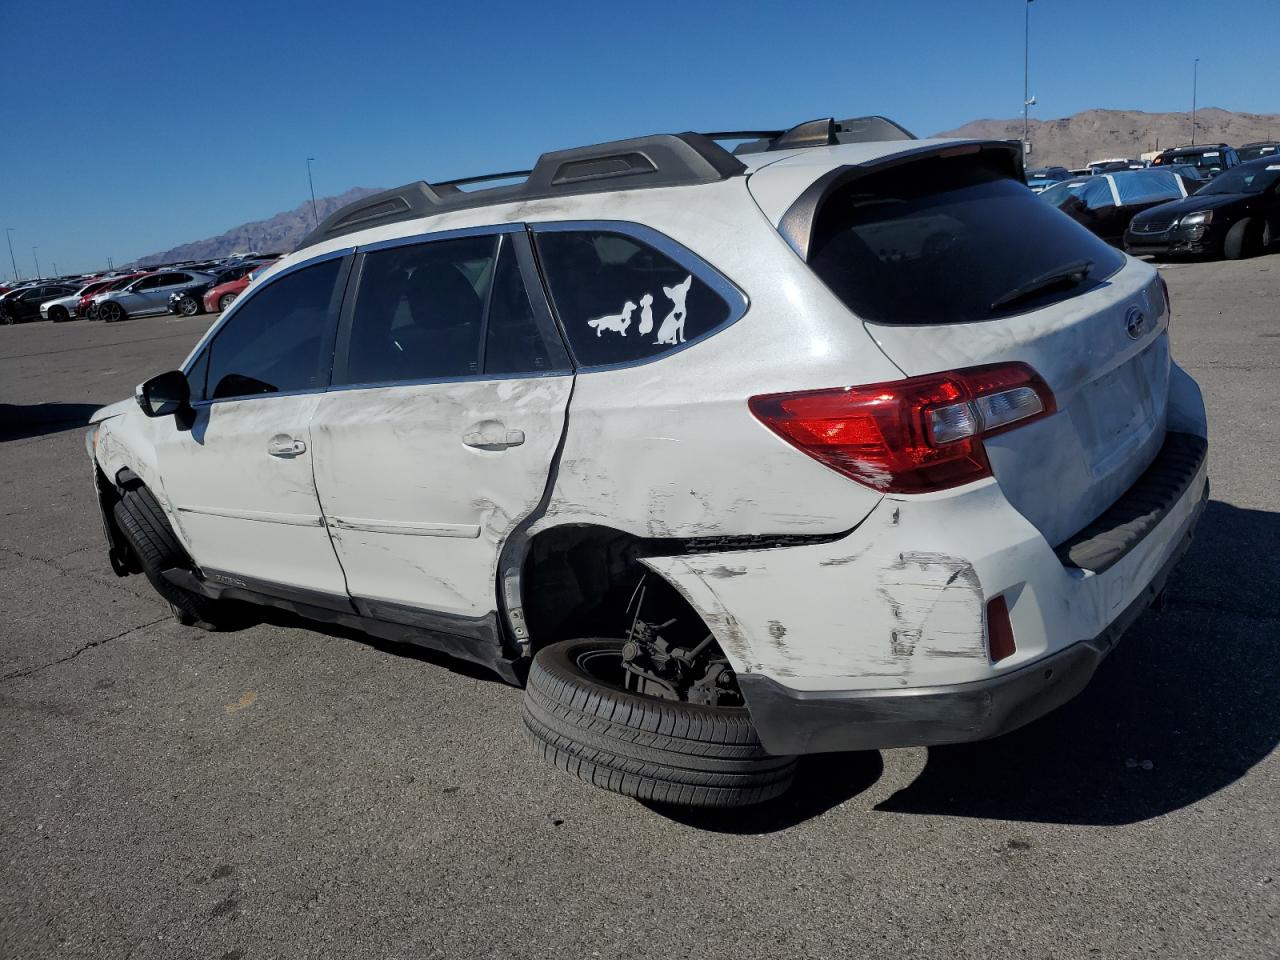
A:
(797, 721)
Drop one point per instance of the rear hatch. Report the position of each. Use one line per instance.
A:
(950, 262)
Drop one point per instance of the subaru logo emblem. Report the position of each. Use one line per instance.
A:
(1135, 322)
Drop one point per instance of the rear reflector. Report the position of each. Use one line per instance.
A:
(999, 630)
(909, 436)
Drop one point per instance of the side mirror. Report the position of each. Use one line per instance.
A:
(165, 395)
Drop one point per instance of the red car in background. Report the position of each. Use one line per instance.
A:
(220, 297)
(86, 309)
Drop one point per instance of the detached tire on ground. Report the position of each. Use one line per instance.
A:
(145, 526)
(664, 751)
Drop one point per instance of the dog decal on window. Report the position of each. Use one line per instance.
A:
(618, 322)
(672, 329)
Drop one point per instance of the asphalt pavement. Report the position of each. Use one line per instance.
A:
(295, 791)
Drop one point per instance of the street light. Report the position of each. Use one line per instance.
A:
(1027, 99)
(37, 260)
(8, 234)
(313, 191)
(1195, 77)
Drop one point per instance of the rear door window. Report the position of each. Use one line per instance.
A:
(622, 301)
(419, 312)
(945, 241)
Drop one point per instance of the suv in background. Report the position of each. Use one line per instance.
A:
(739, 456)
(148, 294)
(1212, 158)
(1258, 149)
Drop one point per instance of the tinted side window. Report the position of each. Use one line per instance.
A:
(516, 339)
(419, 311)
(620, 300)
(276, 340)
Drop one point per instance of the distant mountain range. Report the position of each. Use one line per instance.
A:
(278, 234)
(1072, 142)
(1097, 134)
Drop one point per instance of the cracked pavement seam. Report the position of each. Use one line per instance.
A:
(79, 650)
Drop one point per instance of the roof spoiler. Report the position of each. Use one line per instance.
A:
(797, 224)
(826, 132)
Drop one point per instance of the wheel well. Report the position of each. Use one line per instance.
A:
(588, 581)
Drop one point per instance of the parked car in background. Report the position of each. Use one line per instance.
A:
(224, 294)
(1211, 158)
(1236, 215)
(1081, 172)
(23, 305)
(88, 307)
(1258, 149)
(1106, 202)
(149, 294)
(68, 308)
(1049, 173)
(190, 301)
(1116, 163)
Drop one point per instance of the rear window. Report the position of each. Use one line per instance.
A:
(1147, 186)
(945, 241)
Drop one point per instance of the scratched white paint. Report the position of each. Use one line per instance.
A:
(417, 516)
(901, 601)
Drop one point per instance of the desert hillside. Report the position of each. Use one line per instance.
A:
(1074, 141)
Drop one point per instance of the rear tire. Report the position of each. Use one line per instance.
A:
(664, 751)
(1242, 240)
(151, 538)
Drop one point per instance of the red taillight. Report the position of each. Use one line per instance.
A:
(999, 630)
(909, 436)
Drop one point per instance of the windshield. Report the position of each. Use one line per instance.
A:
(948, 241)
(1147, 186)
(1244, 180)
(1206, 160)
(1253, 153)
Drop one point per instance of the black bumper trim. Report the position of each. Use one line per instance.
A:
(1123, 525)
(798, 721)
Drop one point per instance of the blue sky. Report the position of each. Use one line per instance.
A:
(132, 127)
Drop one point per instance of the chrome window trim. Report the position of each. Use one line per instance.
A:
(733, 295)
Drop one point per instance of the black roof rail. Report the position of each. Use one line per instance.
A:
(661, 160)
(817, 133)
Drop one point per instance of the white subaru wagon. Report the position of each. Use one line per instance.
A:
(840, 440)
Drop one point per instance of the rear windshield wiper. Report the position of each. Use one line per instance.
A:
(1071, 275)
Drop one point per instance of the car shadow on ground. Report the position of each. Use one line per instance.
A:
(1185, 706)
(21, 421)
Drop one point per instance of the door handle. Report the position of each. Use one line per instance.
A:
(283, 445)
(492, 435)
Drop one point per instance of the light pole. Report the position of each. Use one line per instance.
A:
(37, 260)
(312, 185)
(8, 234)
(1195, 78)
(1026, 72)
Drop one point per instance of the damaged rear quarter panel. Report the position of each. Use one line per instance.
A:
(899, 602)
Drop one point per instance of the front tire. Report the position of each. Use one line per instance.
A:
(665, 751)
(110, 312)
(147, 530)
(188, 307)
(225, 301)
(59, 314)
(1242, 240)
